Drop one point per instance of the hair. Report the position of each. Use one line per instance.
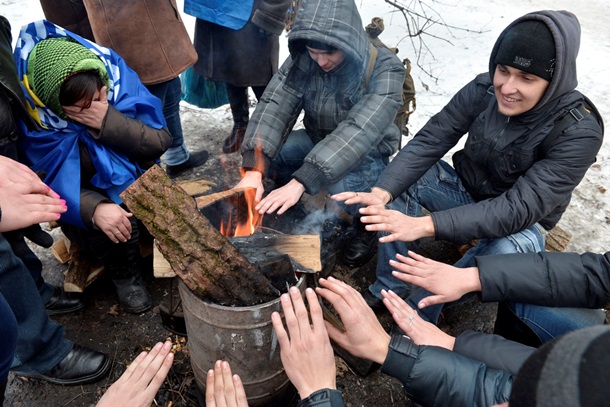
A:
(80, 87)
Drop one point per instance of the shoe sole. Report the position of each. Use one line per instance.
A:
(65, 310)
(76, 381)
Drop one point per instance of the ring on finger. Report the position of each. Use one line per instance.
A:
(411, 317)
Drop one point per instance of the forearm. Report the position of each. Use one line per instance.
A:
(132, 137)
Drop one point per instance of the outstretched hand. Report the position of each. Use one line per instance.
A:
(397, 224)
(363, 335)
(138, 385)
(224, 389)
(252, 179)
(281, 199)
(447, 282)
(421, 332)
(306, 352)
(377, 197)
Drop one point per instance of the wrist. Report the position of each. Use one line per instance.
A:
(380, 349)
(472, 279)
(427, 226)
(382, 194)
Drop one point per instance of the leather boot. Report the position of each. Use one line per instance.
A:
(240, 109)
(361, 248)
(511, 327)
(133, 295)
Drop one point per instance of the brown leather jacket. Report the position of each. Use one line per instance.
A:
(148, 34)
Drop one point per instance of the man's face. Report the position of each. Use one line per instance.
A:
(517, 91)
(328, 60)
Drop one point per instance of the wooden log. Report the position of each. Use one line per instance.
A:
(61, 250)
(557, 240)
(82, 270)
(303, 249)
(204, 259)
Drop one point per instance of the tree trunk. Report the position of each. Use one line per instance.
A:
(204, 259)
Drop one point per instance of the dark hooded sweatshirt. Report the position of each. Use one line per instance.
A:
(501, 164)
(345, 120)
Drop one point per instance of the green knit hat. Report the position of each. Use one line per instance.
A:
(52, 61)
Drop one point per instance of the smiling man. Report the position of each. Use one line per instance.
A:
(527, 149)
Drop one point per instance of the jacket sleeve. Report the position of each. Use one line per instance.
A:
(131, 137)
(271, 122)
(323, 398)
(365, 126)
(548, 279)
(270, 15)
(493, 350)
(435, 376)
(544, 187)
(436, 138)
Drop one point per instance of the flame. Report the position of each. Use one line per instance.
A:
(246, 224)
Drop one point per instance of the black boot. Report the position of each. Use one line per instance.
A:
(361, 248)
(133, 295)
(511, 327)
(240, 109)
(233, 142)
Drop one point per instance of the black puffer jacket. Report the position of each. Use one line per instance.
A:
(549, 279)
(501, 165)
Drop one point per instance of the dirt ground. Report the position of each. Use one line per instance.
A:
(103, 326)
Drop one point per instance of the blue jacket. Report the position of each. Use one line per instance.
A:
(55, 148)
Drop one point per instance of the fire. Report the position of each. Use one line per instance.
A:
(247, 223)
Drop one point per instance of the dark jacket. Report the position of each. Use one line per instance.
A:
(245, 57)
(149, 35)
(12, 100)
(549, 279)
(345, 120)
(501, 165)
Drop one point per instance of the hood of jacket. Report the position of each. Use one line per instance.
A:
(565, 28)
(334, 22)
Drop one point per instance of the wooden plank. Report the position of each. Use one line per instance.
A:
(196, 187)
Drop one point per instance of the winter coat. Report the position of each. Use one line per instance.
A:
(69, 14)
(434, 376)
(148, 34)
(548, 279)
(87, 166)
(501, 165)
(243, 57)
(12, 100)
(345, 120)
(323, 398)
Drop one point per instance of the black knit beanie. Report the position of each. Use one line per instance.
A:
(570, 371)
(528, 46)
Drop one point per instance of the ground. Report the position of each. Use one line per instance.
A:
(103, 326)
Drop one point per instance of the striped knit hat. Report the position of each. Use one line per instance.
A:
(52, 61)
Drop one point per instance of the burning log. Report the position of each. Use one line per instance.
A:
(204, 259)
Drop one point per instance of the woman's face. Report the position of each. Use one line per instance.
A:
(327, 60)
(517, 91)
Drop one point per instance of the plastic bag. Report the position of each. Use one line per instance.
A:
(202, 92)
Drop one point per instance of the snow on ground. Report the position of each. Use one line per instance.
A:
(454, 56)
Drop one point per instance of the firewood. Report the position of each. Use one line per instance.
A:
(557, 239)
(196, 187)
(61, 250)
(82, 270)
(205, 260)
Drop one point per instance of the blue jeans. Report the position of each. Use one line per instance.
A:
(170, 92)
(8, 339)
(41, 344)
(440, 189)
(299, 144)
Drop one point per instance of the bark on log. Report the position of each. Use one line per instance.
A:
(82, 270)
(204, 259)
(557, 239)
